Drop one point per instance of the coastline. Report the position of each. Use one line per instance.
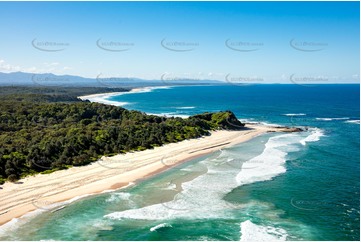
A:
(47, 191)
(103, 97)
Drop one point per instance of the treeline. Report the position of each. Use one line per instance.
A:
(51, 94)
(70, 91)
(40, 136)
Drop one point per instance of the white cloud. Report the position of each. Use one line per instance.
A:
(51, 64)
(54, 67)
(4, 67)
(32, 69)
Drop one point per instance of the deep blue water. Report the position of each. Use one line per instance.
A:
(287, 186)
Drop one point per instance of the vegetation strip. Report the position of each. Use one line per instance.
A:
(44, 130)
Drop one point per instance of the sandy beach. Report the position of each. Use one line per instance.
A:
(45, 191)
(103, 97)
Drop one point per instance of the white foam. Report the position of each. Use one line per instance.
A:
(102, 225)
(171, 186)
(330, 119)
(271, 162)
(147, 89)
(108, 191)
(294, 114)
(269, 124)
(11, 225)
(118, 196)
(353, 121)
(169, 115)
(203, 197)
(324, 119)
(163, 225)
(315, 135)
(251, 121)
(253, 232)
(17, 222)
(185, 107)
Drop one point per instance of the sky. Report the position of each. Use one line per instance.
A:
(264, 41)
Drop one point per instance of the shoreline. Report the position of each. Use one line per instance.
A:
(49, 191)
(103, 97)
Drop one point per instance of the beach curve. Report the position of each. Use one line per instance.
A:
(45, 191)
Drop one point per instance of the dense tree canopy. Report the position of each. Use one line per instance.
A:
(39, 135)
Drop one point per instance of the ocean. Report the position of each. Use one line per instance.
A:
(277, 186)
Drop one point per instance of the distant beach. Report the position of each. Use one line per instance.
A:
(103, 97)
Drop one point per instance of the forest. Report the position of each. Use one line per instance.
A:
(42, 131)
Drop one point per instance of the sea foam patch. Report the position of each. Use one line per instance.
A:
(252, 121)
(160, 226)
(331, 119)
(16, 223)
(253, 232)
(315, 135)
(271, 162)
(118, 196)
(170, 114)
(353, 121)
(201, 197)
(294, 114)
(190, 107)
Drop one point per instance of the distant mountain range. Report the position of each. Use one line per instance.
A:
(49, 79)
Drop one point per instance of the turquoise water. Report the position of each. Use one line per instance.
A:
(301, 186)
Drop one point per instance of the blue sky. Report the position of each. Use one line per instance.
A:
(268, 41)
